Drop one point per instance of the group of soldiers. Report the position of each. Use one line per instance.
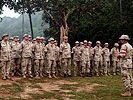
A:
(35, 59)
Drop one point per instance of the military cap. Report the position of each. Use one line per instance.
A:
(42, 38)
(85, 41)
(51, 39)
(34, 39)
(98, 42)
(77, 42)
(11, 38)
(25, 35)
(81, 43)
(29, 36)
(38, 37)
(4, 35)
(116, 44)
(16, 36)
(106, 44)
(124, 37)
(90, 42)
(65, 37)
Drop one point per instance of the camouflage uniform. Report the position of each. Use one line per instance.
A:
(98, 59)
(65, 50)
(126, 65)
(76, 60)
(51, 64)
(6, 58)
(106, 60)
(38, 49)
(116, 62)
(15, 57)
(57, 59)
(85, 60)
(26, 48)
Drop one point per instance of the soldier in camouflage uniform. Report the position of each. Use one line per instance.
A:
(91, 57)
(51, 66)
(65, 51)
(76, 59)
(15, 57)
(85, 60)
(38, 50)
(5, 57)
(98, 58)
(106, 60)
(126, 65)
(26, 49)
(116, 62)
(57, 58)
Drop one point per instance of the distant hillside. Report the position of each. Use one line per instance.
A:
(13, 26)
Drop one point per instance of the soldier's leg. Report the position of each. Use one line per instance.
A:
(108, 68)
(18, 66)
(36, 67)
(54, 68)
(24, 66)
(59, 67)
(105, 68)
(64, 66)
(75, 68)
(91, 66)
(13, 66)
(96, 68)
(83, 68)
(4, 70)
(101, 67)
(41, 67)
(114, 67)
(88, 67)
(117, 67)
(69, 67)
(8, 68)
(29, 67)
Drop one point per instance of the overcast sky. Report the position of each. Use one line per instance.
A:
(9, 13)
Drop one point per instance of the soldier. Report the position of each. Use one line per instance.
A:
(65, 51)
(38, 50)
(15, 56)
(57, 56)
(98, 58)
(126, 65)
(51, 66)
(85, 60)
(91, 57)
(26, 49)
(116, 62)
(76, 58)
(106, 59)
(5, 57)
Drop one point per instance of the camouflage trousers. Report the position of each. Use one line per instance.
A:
(77, 68)
(116, 66)
(98, 67)
(38, 66)
(126, 72)
(106, 67)
(85, 66)
(15, 64)
(67, 66)
(5, 68)
(91, 66)
(26, 66)
(51, 66)
(58, 67)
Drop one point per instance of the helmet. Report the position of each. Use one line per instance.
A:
(116, 44)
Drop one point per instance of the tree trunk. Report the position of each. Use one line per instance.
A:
(31, 27)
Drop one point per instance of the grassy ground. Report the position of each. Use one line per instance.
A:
(111, 89)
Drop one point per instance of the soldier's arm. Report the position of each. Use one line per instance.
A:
(123, 51)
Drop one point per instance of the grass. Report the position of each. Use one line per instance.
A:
(113, 87)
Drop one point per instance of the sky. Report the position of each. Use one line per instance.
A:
(9, 13)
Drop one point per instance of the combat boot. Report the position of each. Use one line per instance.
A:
(109, 74)
(24, 76)
(49, 76)
(74, 75)
(106, 75)
(114, 74)
(54, 76)
(41, 75)
(97, 74)
(127, 94)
